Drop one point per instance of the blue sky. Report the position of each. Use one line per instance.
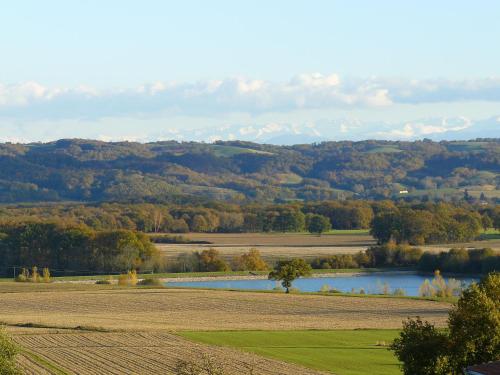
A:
(147, 70)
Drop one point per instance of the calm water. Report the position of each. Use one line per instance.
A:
(371, 283)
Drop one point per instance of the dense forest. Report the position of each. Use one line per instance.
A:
(242, 172)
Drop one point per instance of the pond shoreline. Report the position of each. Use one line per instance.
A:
(264, 277)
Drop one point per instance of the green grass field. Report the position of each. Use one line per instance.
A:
(342, 352)
(228, 151)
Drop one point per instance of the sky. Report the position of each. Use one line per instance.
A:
(266, 71)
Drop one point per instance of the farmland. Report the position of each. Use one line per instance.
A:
(71, 351)
(111, 307)
(343, 352)
(273, 246)
(100, 329)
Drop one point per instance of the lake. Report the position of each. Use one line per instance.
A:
(371, 283)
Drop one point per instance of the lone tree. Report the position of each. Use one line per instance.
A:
(318, 224)
(289, 270)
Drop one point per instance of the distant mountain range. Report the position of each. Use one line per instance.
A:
(437, 129)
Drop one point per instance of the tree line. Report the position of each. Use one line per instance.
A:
(457, 260)
(77, 249)
(401, 222)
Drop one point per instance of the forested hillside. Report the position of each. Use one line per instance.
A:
(84, 170)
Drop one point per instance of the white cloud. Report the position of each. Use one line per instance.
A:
(33, 101)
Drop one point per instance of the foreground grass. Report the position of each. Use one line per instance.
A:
(342, 352)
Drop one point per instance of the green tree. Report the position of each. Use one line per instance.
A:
(317, 223)
(289, 270)
(474, 324)
(421, 348)
(473, 334)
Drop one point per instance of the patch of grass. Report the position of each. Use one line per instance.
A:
(45, 363)
(228, 151)
(389, 149)
(489, 235)
(347, 231)
(39, 325)
(289, 178)
(343, 352)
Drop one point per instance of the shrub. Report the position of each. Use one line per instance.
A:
(46, 275)
(128, 279)
(461, 261)
(399, 292)
(103, 282)
(150, 282)
(35, 276)
(8, 351)
(421, 348)
(439, 287)
(23, 276)
(252, 261)
(426, 289)
(210, 261)
(325, 288)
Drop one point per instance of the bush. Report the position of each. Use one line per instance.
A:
(23, 276)
(105, 281)
(439, 287)
(252, 261)
(421, 348)
(8, 351)
(461, 261)
(128, 279)
(210, 261)
(34, 276)
(150, 282)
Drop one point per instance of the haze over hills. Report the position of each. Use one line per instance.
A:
(437, 129)
(86, 170)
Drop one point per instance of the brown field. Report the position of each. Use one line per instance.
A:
(95, 353)
(164, 309)
(273, 246)
(132, 330)
(283, 239)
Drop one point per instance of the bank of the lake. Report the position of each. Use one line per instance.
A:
(369, 283)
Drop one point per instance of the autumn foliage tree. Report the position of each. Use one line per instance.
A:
(289, 270)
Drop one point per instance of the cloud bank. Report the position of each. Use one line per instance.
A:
(33, 101)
